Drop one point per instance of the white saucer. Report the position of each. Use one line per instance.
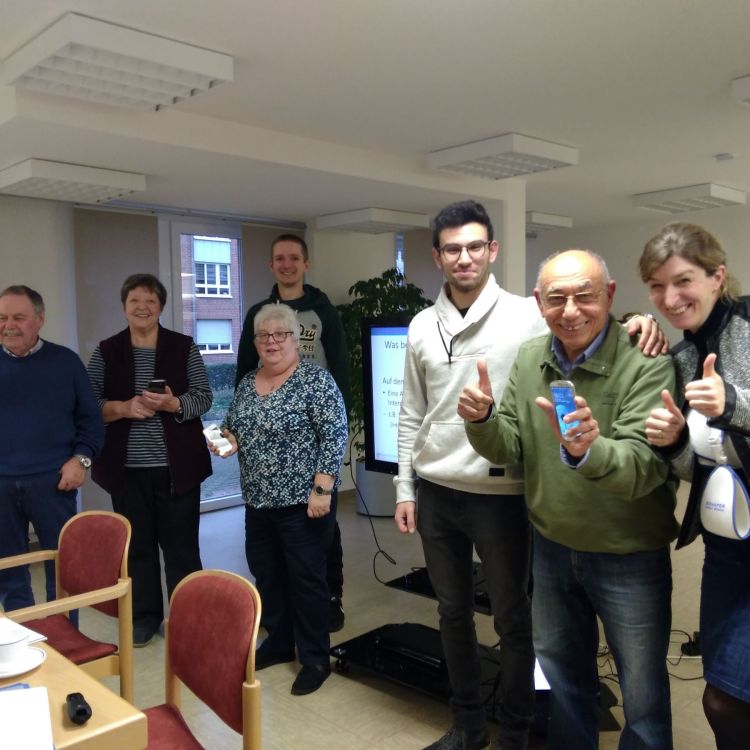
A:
(30, 660)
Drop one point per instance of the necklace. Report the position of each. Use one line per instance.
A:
(274, 383)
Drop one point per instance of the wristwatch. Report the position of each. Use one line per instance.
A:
(85, 461)
(322, 490)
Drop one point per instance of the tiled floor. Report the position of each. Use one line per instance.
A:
(369, 713)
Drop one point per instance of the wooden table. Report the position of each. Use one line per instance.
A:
(114, 724)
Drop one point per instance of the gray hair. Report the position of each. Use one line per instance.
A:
(24, 291)
(281, 312)
(598, 258)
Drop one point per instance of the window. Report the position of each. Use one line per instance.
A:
(399, 238)
(214, 322)
(213, 335)
(212, 258)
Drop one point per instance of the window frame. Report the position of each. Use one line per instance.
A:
(217, 285)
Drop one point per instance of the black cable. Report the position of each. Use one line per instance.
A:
(380, 550)
(682, 632)
(686, 679)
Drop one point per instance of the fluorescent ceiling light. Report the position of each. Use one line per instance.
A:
(536, 222)
(690, 198)
(84, 58)
(373, 221)
(36, 178)
(504, 156)
(741, 89)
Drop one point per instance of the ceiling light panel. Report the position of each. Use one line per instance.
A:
(373, 221)
(85, 58)
(741, 89)
(536, 221)
(36, 178)
(690, 198)
(504, 156)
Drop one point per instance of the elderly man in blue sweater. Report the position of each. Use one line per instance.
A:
(52, 428)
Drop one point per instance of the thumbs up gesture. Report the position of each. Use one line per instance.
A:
(664, 425)
(475, 400)
(707, 395)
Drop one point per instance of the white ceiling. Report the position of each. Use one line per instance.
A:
(336, 103)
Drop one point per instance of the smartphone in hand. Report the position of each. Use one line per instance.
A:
(158, 385)
(564, 398)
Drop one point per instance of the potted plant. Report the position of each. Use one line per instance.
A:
(389, 295)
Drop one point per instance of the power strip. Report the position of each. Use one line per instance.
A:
(692, 646)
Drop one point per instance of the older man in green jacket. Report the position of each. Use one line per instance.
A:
(601, 503)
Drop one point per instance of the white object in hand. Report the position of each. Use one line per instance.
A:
(213, 435)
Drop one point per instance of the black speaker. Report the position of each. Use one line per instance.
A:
(408, 653)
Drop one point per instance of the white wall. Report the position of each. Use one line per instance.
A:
(621, 246)
(339, 259)
(36, 248)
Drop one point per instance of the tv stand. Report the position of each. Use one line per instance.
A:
(412, 655)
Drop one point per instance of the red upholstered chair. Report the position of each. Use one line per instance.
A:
(91, 568)
(210, 636)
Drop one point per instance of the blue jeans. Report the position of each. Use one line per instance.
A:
(451, 523)
(631, 594)
(287, 552)
(32, 499)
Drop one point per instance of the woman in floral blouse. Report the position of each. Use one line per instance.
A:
(288, 423)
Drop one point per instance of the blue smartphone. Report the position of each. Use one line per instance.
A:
(564, 398)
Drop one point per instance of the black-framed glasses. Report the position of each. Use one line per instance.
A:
(581, 299)
(278, 337)
(476, 249)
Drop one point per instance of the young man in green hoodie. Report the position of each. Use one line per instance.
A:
(321, 340)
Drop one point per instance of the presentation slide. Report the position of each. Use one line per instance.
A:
(388, 346)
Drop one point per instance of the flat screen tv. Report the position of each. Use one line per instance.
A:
(383, 352)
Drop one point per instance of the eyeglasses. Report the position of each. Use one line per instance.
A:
(278, 337)
(558, 301)
(475, 249)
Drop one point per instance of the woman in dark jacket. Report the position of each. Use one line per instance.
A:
(154, 457)
(685, 269)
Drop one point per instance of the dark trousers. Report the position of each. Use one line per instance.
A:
(451, 523)
(286, 552)
(34, 499)
(159, 519)
(335, 560)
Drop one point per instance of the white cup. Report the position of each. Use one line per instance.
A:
(13, 646)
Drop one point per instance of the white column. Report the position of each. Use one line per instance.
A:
(509, 221)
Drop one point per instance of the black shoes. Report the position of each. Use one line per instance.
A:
(461, 739)
(336, 615)
(264, 657)
(310, 678)
(143, 635)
